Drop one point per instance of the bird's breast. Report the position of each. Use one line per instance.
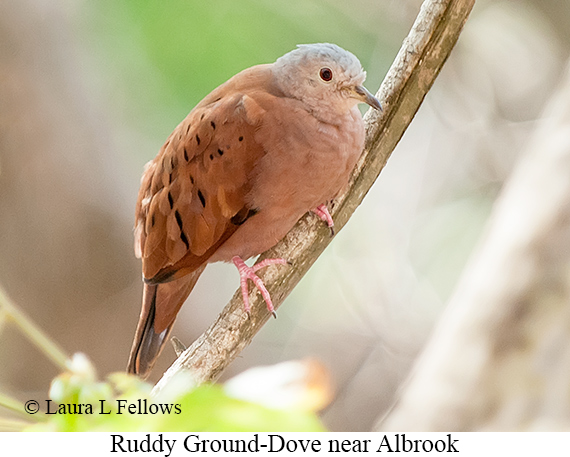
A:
(307, 163)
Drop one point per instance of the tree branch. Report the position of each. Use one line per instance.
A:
(412, 74)
(499, 358)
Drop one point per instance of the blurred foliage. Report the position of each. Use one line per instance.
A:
(124, 403)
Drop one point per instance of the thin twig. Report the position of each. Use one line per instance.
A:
(33, 332)
(13, 405)
(412, 74)
(13, 425)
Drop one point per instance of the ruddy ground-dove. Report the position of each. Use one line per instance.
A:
(258, 152)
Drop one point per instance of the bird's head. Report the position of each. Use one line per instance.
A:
(325, 77)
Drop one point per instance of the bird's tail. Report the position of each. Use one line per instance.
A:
(160, 305)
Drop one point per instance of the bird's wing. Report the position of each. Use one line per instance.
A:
(192, 195)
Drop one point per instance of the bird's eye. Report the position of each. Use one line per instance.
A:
(326, 74)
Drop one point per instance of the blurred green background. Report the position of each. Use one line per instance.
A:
(89, 91)
(165, 57)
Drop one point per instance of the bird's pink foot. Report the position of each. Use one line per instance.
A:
(323, 212)
(246, 273)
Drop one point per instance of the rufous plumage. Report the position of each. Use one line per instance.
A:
(273, 142)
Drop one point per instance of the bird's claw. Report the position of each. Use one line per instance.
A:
(246, 272)
(323, 212)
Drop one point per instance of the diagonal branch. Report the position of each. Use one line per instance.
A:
(412, 74)
(499, 357)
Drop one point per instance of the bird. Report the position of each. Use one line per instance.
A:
(272, 143)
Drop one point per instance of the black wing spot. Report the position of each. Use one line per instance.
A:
(197, 139)
(188, 128)
(171, 200)
(240, 138)
(243, 215)
(202, 199)
(178, 219)
(185, 154)
(211, 156)
(183, 236)
(184, 239)
(202, 116)
(220, 152)
(212, 123)
(191, 179)
(152, 221)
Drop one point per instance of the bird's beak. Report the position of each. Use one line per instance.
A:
(362, 95)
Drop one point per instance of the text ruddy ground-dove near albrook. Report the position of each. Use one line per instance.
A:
(256, 154)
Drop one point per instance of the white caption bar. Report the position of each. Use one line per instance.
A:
(187, 444)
